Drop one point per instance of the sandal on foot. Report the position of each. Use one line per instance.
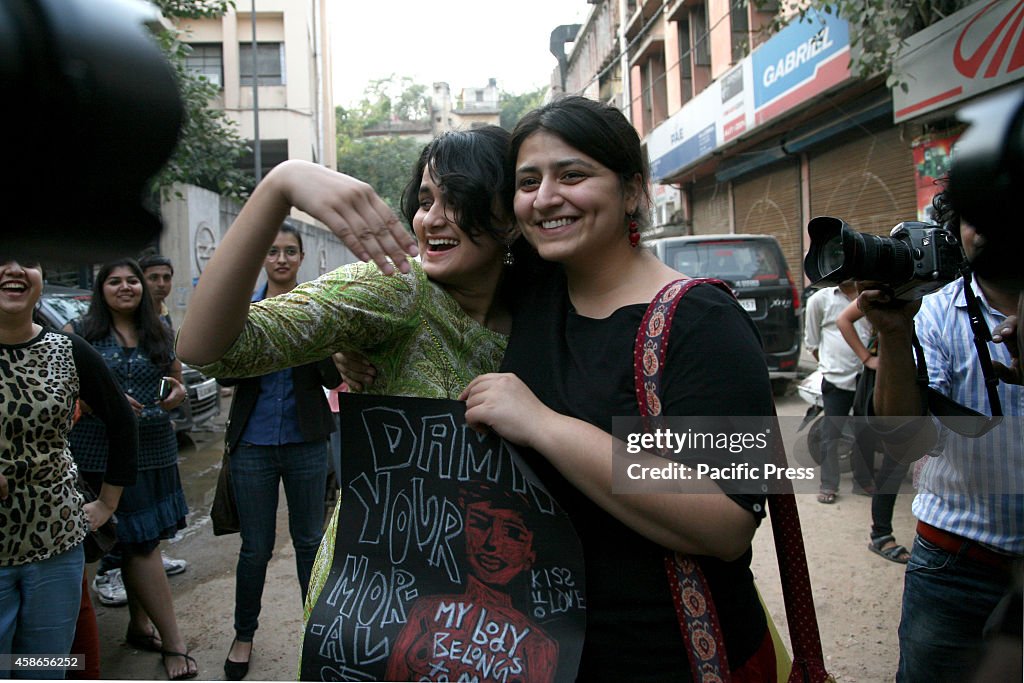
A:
(893, 553)
(144, 641)
(827, 497)
(185, 675)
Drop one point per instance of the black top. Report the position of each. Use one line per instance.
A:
(583, 367)
(314, 414)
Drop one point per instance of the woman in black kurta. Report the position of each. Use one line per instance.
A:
(580, 182)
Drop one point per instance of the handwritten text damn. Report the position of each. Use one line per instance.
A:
(406, 517)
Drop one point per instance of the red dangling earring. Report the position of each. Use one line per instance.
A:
(634, 233)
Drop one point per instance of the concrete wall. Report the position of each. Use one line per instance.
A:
(194, 224)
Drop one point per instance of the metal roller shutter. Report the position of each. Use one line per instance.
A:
(710, 207)
(868, 182)
(768, 203)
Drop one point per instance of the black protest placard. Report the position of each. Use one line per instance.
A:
(451, 560)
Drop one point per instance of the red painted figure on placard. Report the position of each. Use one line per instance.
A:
(478, 635)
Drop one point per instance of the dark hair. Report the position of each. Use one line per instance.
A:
(153, 260)
(292, 230)
(945, 215)
(598, 130)
(155, 339)
(470, 169)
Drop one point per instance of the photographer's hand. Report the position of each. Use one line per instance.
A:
(1009, 332)
(898, 397)
(889, 316)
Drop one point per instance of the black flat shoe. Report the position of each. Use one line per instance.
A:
(236, 671)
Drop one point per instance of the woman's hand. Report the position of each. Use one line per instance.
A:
(355, 369)
(502, 402)
(97, 512)
(352, 211)
(4, 490)
(136, 406)
(176, 397)
(219, 306)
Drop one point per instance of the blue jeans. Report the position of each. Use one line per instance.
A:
(256, 474)
(946, 601)
(39, 604)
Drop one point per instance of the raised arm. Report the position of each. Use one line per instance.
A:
(349, 207)
(845, 322)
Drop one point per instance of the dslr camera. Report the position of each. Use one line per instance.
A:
(915, 259)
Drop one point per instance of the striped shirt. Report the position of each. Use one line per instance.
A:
(975, 488)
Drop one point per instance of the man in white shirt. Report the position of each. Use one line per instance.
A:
(839, 367)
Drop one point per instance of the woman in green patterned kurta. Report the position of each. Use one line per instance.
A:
(429, 330)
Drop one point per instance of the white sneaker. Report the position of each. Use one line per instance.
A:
(173, 566)
(109, 588)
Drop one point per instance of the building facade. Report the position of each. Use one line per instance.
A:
(747, 133)
(291, 68)
(290, 111)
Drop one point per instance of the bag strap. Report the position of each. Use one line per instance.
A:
(698, 618)
(694, 606)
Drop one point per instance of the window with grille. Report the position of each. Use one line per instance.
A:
(269, 63)
(207, 60)
(701, 39)
(740, 30)
(685, 70)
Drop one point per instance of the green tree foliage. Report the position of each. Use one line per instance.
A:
(385, 161)
(209, 146)
(514, 106)
(878, 28)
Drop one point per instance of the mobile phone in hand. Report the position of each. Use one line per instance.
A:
(166, 387)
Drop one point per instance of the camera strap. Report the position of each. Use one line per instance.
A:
(942, 406)
(982, 336)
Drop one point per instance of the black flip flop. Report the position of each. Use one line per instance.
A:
(164, 654)
(150, 642)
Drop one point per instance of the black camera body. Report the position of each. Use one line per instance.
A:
(914, 260)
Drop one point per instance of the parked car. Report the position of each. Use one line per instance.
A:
(60, 305)
(754, 267)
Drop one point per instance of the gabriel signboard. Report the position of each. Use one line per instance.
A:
(968, 53)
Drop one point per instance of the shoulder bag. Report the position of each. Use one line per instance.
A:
(224, 511)
(100, 541)
(698, 619)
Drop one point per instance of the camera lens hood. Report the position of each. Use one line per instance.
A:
(95, 112)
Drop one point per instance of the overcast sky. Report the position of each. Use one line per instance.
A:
(461, 42)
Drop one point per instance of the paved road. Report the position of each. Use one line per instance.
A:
(856, 593)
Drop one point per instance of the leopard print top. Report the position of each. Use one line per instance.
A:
(40, 381)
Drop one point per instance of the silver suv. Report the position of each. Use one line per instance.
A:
(60, 305)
